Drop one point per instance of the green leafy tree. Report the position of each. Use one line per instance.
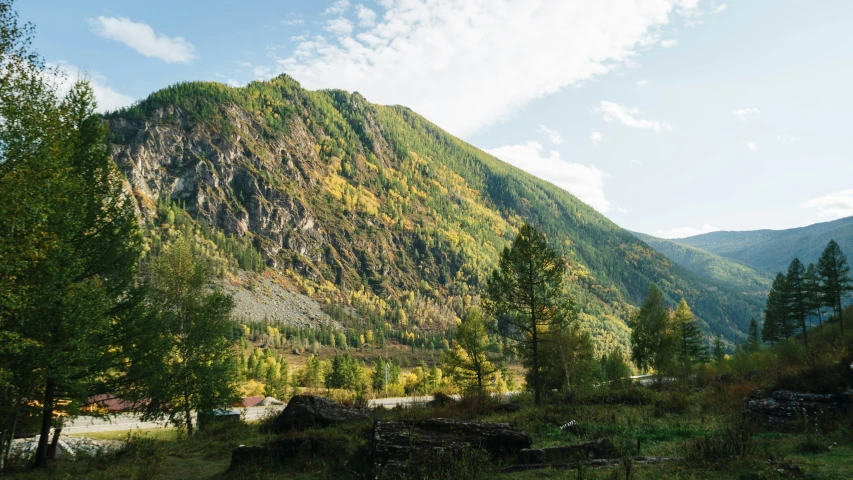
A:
(798, 301)
(344, 373)
(196, 364)
(526, 295)
(753, 337)
(466, 361)
(835, 273)
(691, 348)
(569, 362)
(69, 246)
(614, 367)
(654, 341)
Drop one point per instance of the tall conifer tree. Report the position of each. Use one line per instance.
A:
(835, 273)
(526, 295)
(797, 299)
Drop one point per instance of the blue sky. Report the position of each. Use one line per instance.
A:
(671, 117)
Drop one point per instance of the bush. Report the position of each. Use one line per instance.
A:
(734, 441)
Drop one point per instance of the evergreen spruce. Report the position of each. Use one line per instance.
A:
(835, 273)
(753, 338)
(797, 300)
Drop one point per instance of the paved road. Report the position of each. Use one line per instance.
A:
(127, 421)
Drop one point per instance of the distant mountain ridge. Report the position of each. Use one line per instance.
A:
(711, 266)
(771, 251)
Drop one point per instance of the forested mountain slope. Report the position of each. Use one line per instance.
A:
(712, 266)
(772, 250)
(375, 207)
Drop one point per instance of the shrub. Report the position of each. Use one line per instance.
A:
(732, 442)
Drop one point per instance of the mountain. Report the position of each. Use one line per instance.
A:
(375, 212)
(772, 250)
(713, 267)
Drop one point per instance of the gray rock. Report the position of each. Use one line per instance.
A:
(396, 442)
(305, 411)
(600, 448)
(784, 406)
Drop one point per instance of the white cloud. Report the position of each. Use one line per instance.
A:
(642, 83)
(743, 113)
(338, 7)
(751, 146)
(466, 64)
(787, 138)
(366, 16)
(107, 98)
(596, 137)
(833, 205)
(628, 116)
(141, 37)
(293, 21)
(583, 181)
(339, 26)
(554, 136)
(683, 232)
(669, 43)
(720, 8)
(636, 162)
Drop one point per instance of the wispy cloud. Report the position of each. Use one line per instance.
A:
(583, 181)
(553, 135)
(684, 232)
(432, 55)
(743, 113)
(596, 138)
(611, 111)
(141, 37)
(337, 8)
(751, 146)
(720, 8)
(642, 83)
(293, 20)
(833, 205)
(669, 43)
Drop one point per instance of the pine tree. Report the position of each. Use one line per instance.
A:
(777, 320)
(719, 350)
(526, 295)
(692, 349)
(654, 341)
(835, 273)
(797, 299)
(812, 285)
(753, 338)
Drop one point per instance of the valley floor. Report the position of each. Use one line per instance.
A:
(638, 420)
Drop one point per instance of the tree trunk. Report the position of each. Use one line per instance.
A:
(840, 313)
(46, 420)
(537, 388)
(189, 421)
(51, 451)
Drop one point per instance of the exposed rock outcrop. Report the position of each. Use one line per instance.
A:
(600, 448)
(277, 452)
(784, 406)
(305, 411)
(396, 442)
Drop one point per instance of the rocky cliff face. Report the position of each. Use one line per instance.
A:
(377, 208)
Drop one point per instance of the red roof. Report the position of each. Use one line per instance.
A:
(251, 401)
(111, 403)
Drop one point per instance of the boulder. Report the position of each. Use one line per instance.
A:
(395, 442)
(277, 452)
(304, 411)
(600, 448)
(785, 406)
